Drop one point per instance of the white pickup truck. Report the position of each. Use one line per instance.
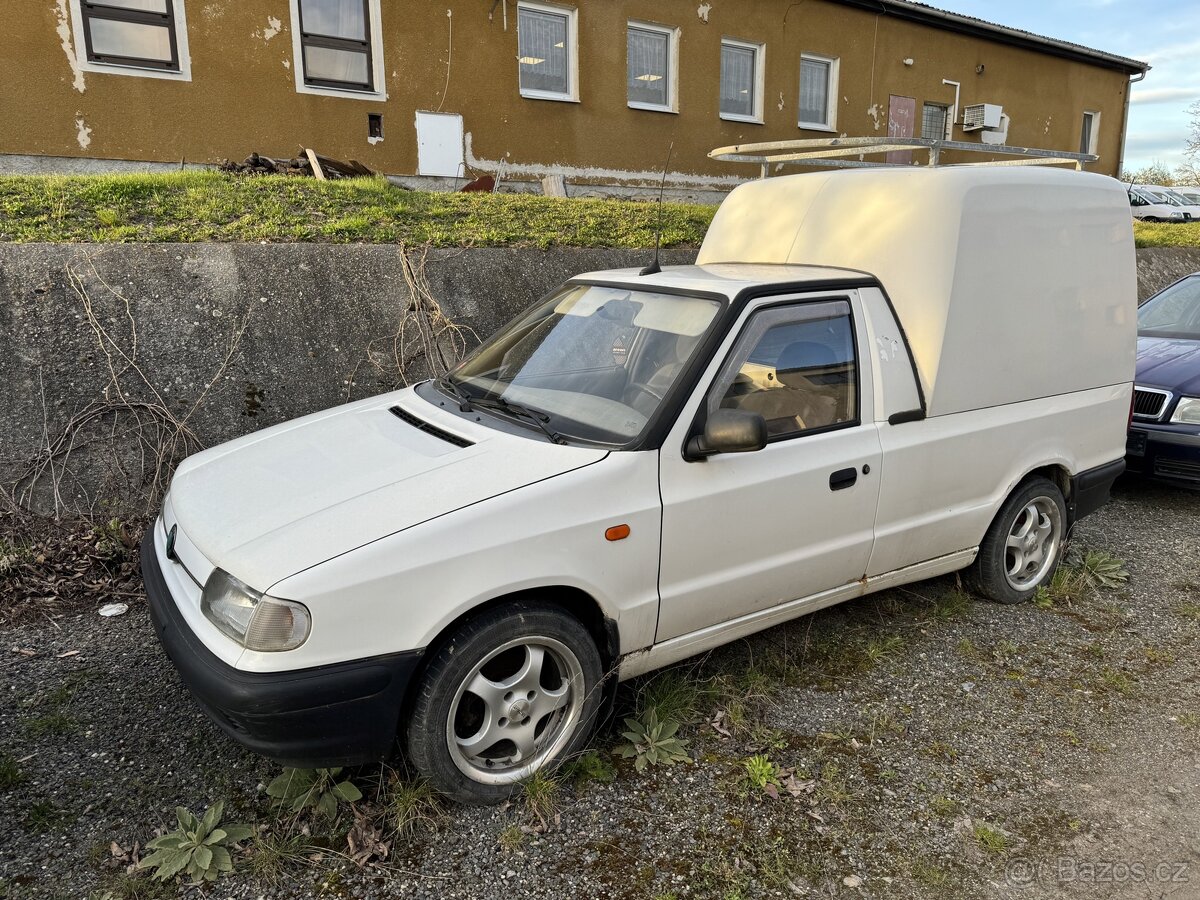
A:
(869, 378)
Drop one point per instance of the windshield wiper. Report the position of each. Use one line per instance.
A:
(465, 400)
(537, 417)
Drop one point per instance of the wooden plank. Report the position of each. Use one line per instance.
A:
(554, 186)
(313, 161)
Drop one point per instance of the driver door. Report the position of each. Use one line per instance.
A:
(744, 532)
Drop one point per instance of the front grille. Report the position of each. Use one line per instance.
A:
(1177, 468)
(429, 428)
(1148, 403)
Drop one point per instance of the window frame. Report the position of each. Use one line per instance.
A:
(672, 34)
(571, 14)
(174, 20)
(760, 58)
(724, 372)
(375, 62)
(945, 108)
(1093, 131)
(831, 93)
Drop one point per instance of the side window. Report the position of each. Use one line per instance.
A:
(796, 366)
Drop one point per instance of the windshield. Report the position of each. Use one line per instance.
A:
(1173, 313)
(1175, 197)
(597, 361)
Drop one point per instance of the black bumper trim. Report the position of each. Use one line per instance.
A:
(1089, 489)
(335, 715)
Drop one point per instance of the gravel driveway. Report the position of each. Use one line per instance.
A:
(935, 747)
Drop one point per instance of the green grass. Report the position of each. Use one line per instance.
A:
(211, 206)
(1166, 234)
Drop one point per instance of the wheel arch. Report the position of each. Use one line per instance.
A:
(573, 601)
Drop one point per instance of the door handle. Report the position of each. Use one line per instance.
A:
(842, 479)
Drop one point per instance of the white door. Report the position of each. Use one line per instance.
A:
(440, 144)
(743, 532)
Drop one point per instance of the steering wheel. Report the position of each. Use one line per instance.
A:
(636, 392)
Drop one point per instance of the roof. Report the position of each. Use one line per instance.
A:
(727, 280)
(970, 25)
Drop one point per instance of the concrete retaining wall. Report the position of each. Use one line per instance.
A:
(306, 314)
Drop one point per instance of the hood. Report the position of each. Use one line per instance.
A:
(1169, 363)
(271, 504)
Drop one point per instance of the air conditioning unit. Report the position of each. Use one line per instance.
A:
(978, 116)
(996, 135)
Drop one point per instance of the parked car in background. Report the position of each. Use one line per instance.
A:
(1177, 199)
(1148, 206)
(1164, 434)
(1191, 193)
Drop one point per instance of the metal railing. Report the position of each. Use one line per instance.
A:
(837, 152)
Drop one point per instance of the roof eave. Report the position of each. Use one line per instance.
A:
(948, 21)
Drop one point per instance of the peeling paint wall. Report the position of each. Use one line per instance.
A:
(242, 94)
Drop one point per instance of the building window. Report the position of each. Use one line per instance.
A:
(1089, 136)
(132, 37)
(934, 117)
(652, 67)
(335, 37)
(547, 42)
(338, 47)
(818, 92)
(741, 81)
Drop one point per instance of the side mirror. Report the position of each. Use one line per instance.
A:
(729, 431)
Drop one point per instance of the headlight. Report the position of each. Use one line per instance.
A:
(1178, 216)
(254, 621)
(1187, 412)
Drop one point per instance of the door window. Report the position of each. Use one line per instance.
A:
(796, 366)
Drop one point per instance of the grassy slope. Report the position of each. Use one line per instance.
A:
(209, 206)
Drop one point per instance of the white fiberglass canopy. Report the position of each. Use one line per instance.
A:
(1010, 282)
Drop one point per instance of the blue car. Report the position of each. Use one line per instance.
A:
(1164, 432)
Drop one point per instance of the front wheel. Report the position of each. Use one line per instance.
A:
(511, 692)
(1022, 547)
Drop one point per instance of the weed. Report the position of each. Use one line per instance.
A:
(1117, 681)
(10, 773)
(1004, 649)
(511, 839)
(760, 773)
(198, 848)
(879, 649)
(929, 874)
(831, 786)
(1103, 570)
(766, 739)
(990, 839)
(652, 742)
(1043, 598)
(675, 695)
(411, 807)
(44, 816)
(1188, 609)
(297, 789)
(967, 648)
(540, 793)
(1189, 720)
(944, 806)
(590, 766)
(942, 750)
(950, 604)
(272, 855)
(53, 723)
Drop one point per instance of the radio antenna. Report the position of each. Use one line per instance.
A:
(654, 268)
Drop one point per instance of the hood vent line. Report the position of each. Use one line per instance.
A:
(428, 428)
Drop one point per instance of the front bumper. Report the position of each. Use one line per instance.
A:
(1164, 452)
(335, 715)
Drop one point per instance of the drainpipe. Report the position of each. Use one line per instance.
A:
(1125, 120)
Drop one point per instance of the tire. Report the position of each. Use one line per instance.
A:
(1023, 546)
(1151, 219)
(537, 689)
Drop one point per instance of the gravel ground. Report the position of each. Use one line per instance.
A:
(939, 747)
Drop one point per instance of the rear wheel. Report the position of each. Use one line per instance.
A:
(1022, 547)
(513, 691)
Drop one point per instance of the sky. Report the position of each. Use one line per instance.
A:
(1163, 33)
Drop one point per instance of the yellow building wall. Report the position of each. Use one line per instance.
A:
(242, 95)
